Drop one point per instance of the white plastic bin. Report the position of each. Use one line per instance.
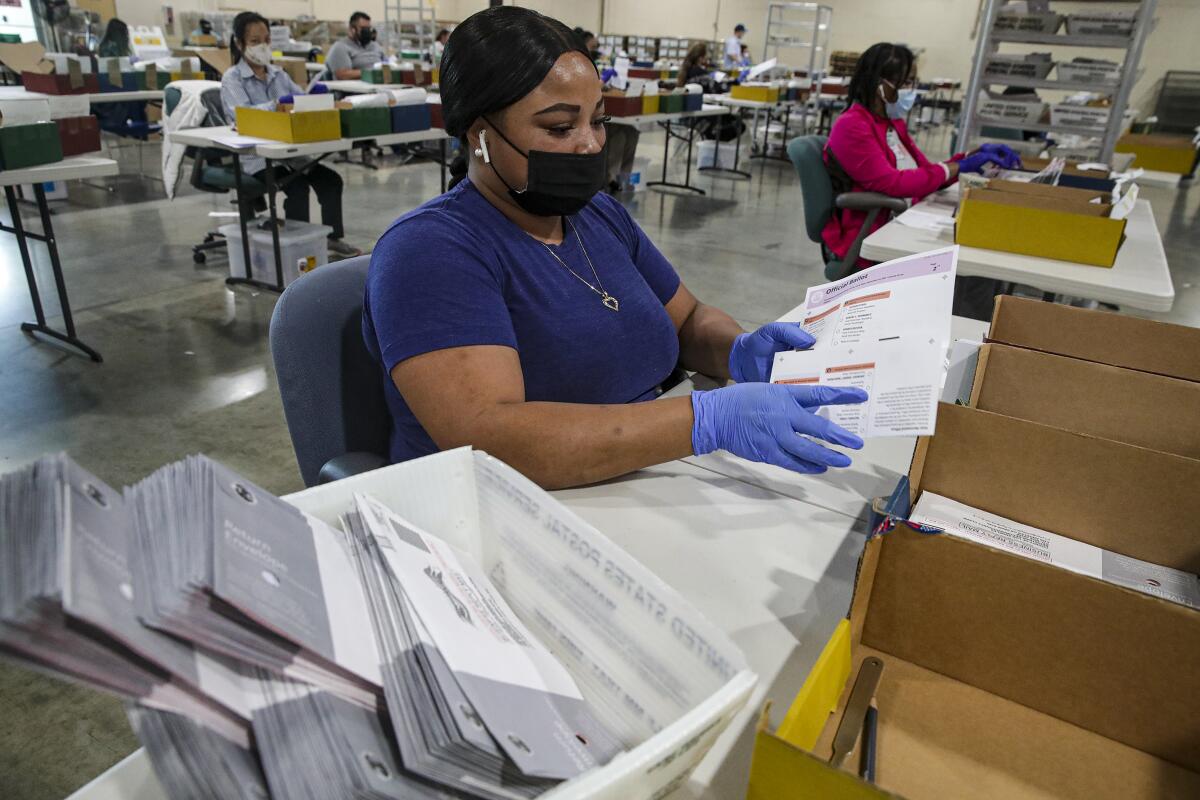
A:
(1013, 22)
(1073, 116)
(1037, 69)
(1011, 112)
(1088, 72)
(713, 156)
(302, 248)
(1101, 23)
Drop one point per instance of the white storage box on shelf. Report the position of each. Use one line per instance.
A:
(1013, 22)
(1011, 112)
(1084, 72)
(1101, 23)
(558, 571)
(1067, 115)
(302, 248)
(713, 156)
(1018, 67)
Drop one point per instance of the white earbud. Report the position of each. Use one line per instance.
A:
(482, 151)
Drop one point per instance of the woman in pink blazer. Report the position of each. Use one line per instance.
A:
(869, 148)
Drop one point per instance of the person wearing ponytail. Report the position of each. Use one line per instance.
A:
(526, 314)
(358, 51)
(255, 82)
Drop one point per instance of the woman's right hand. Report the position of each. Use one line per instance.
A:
(769, 422)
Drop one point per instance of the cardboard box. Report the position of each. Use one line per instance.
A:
(78, 135)
(296, 68)
(693, 101)
(412, 117)
(618, 105)
(1004, 676)
(671, 103)
(361, 122)
(1058, 224)
(650, 103)
(1160, 151)
(29, 145)
(761, 93)
(61, 84)
(1123, 405)
(383, 75)
(418, 76)
(436, 120)
(1011, 22)
(294, 127)
(1101, 336)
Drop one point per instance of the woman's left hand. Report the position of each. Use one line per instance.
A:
(752, 354)
(1005, 156)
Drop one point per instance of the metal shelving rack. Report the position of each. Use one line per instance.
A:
(989, 43)
(802, 27)
(409, 25)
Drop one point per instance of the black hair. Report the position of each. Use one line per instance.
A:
(240, 23)
(583, 35)
(115, 39)
(493, 59)
(883, 61)
(357, 15)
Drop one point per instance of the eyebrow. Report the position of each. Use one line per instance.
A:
(558, 107)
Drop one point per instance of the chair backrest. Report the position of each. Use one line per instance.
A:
(815, 186)
(332, 390)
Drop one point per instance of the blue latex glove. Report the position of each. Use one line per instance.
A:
(318, 88)
(1009, 158)
(608, 75)
(286, 100)
(768, 423)
(976, 161)
(752, 354)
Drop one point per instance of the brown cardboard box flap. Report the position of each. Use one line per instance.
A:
(1064, 205)
(1114, 403)
(1103, 336)
(1045, 190)
(1178, 142)
(1119, 497)
(25, 57)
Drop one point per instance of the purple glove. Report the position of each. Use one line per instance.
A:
(286, 100)
(608, 75)
(318, 88)
(976, 161)
(768, 423)
(752, 354)
(1008, 158)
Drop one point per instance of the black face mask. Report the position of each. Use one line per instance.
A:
(595, 54)
(560, 184)
(366, 36)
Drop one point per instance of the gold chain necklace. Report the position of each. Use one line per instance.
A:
(607, 299)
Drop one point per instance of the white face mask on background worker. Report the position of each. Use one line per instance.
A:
(259, 54)
(905, 98)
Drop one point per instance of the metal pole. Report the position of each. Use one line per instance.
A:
(1133, 56)
(967, 122)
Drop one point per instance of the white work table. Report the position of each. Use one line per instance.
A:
(640, 119)
(1139, 278)
(146, 95)
(362, 87)
(266, 148)
(767, 555)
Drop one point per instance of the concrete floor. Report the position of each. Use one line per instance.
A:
(187, 367)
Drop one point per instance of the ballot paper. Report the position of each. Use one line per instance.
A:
(524, 697)
(995, 531)
(885, 330)
(927, 221)
(1124, 207)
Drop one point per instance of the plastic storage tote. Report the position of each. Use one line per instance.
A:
(302, 248)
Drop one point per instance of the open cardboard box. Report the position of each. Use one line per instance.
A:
(1039, 220)
(1162, 152)
(294, 127)
(1006, 677)
(1114, 403)
(1100, 336)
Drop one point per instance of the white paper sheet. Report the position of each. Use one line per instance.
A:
(995, 531)
(885, 330)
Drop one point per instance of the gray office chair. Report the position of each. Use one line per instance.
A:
(819, 202)
(332, 389)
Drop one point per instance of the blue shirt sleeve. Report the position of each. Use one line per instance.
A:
(432, 286)
(658, 273)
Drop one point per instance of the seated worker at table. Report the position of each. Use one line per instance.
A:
(525, 314)
(358, 51)
(203, 29)
(695, 65)
(254, 81)
(870, 150)
(115, 42)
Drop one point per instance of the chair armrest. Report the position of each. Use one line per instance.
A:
(865, 201)
(348, 464)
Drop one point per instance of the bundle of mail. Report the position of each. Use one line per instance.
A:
(265, 653)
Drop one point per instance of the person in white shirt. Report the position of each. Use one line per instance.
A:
(733, 46)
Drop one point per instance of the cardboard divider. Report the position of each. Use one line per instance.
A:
(1067, 204)
(1056, 193)
(1104, 658)
(1123, 405)
(1116, 496)
(1101, 336)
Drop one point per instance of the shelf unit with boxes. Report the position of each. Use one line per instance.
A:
(409, 28)
(797, 34)
(1120, 26)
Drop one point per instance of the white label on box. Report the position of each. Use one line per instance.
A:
(995, 531)
(313, 102)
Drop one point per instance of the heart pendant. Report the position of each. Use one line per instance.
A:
(611, 302)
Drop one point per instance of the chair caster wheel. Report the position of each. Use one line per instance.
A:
(199, 257)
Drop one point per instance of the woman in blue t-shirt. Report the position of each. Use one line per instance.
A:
(525, 314)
